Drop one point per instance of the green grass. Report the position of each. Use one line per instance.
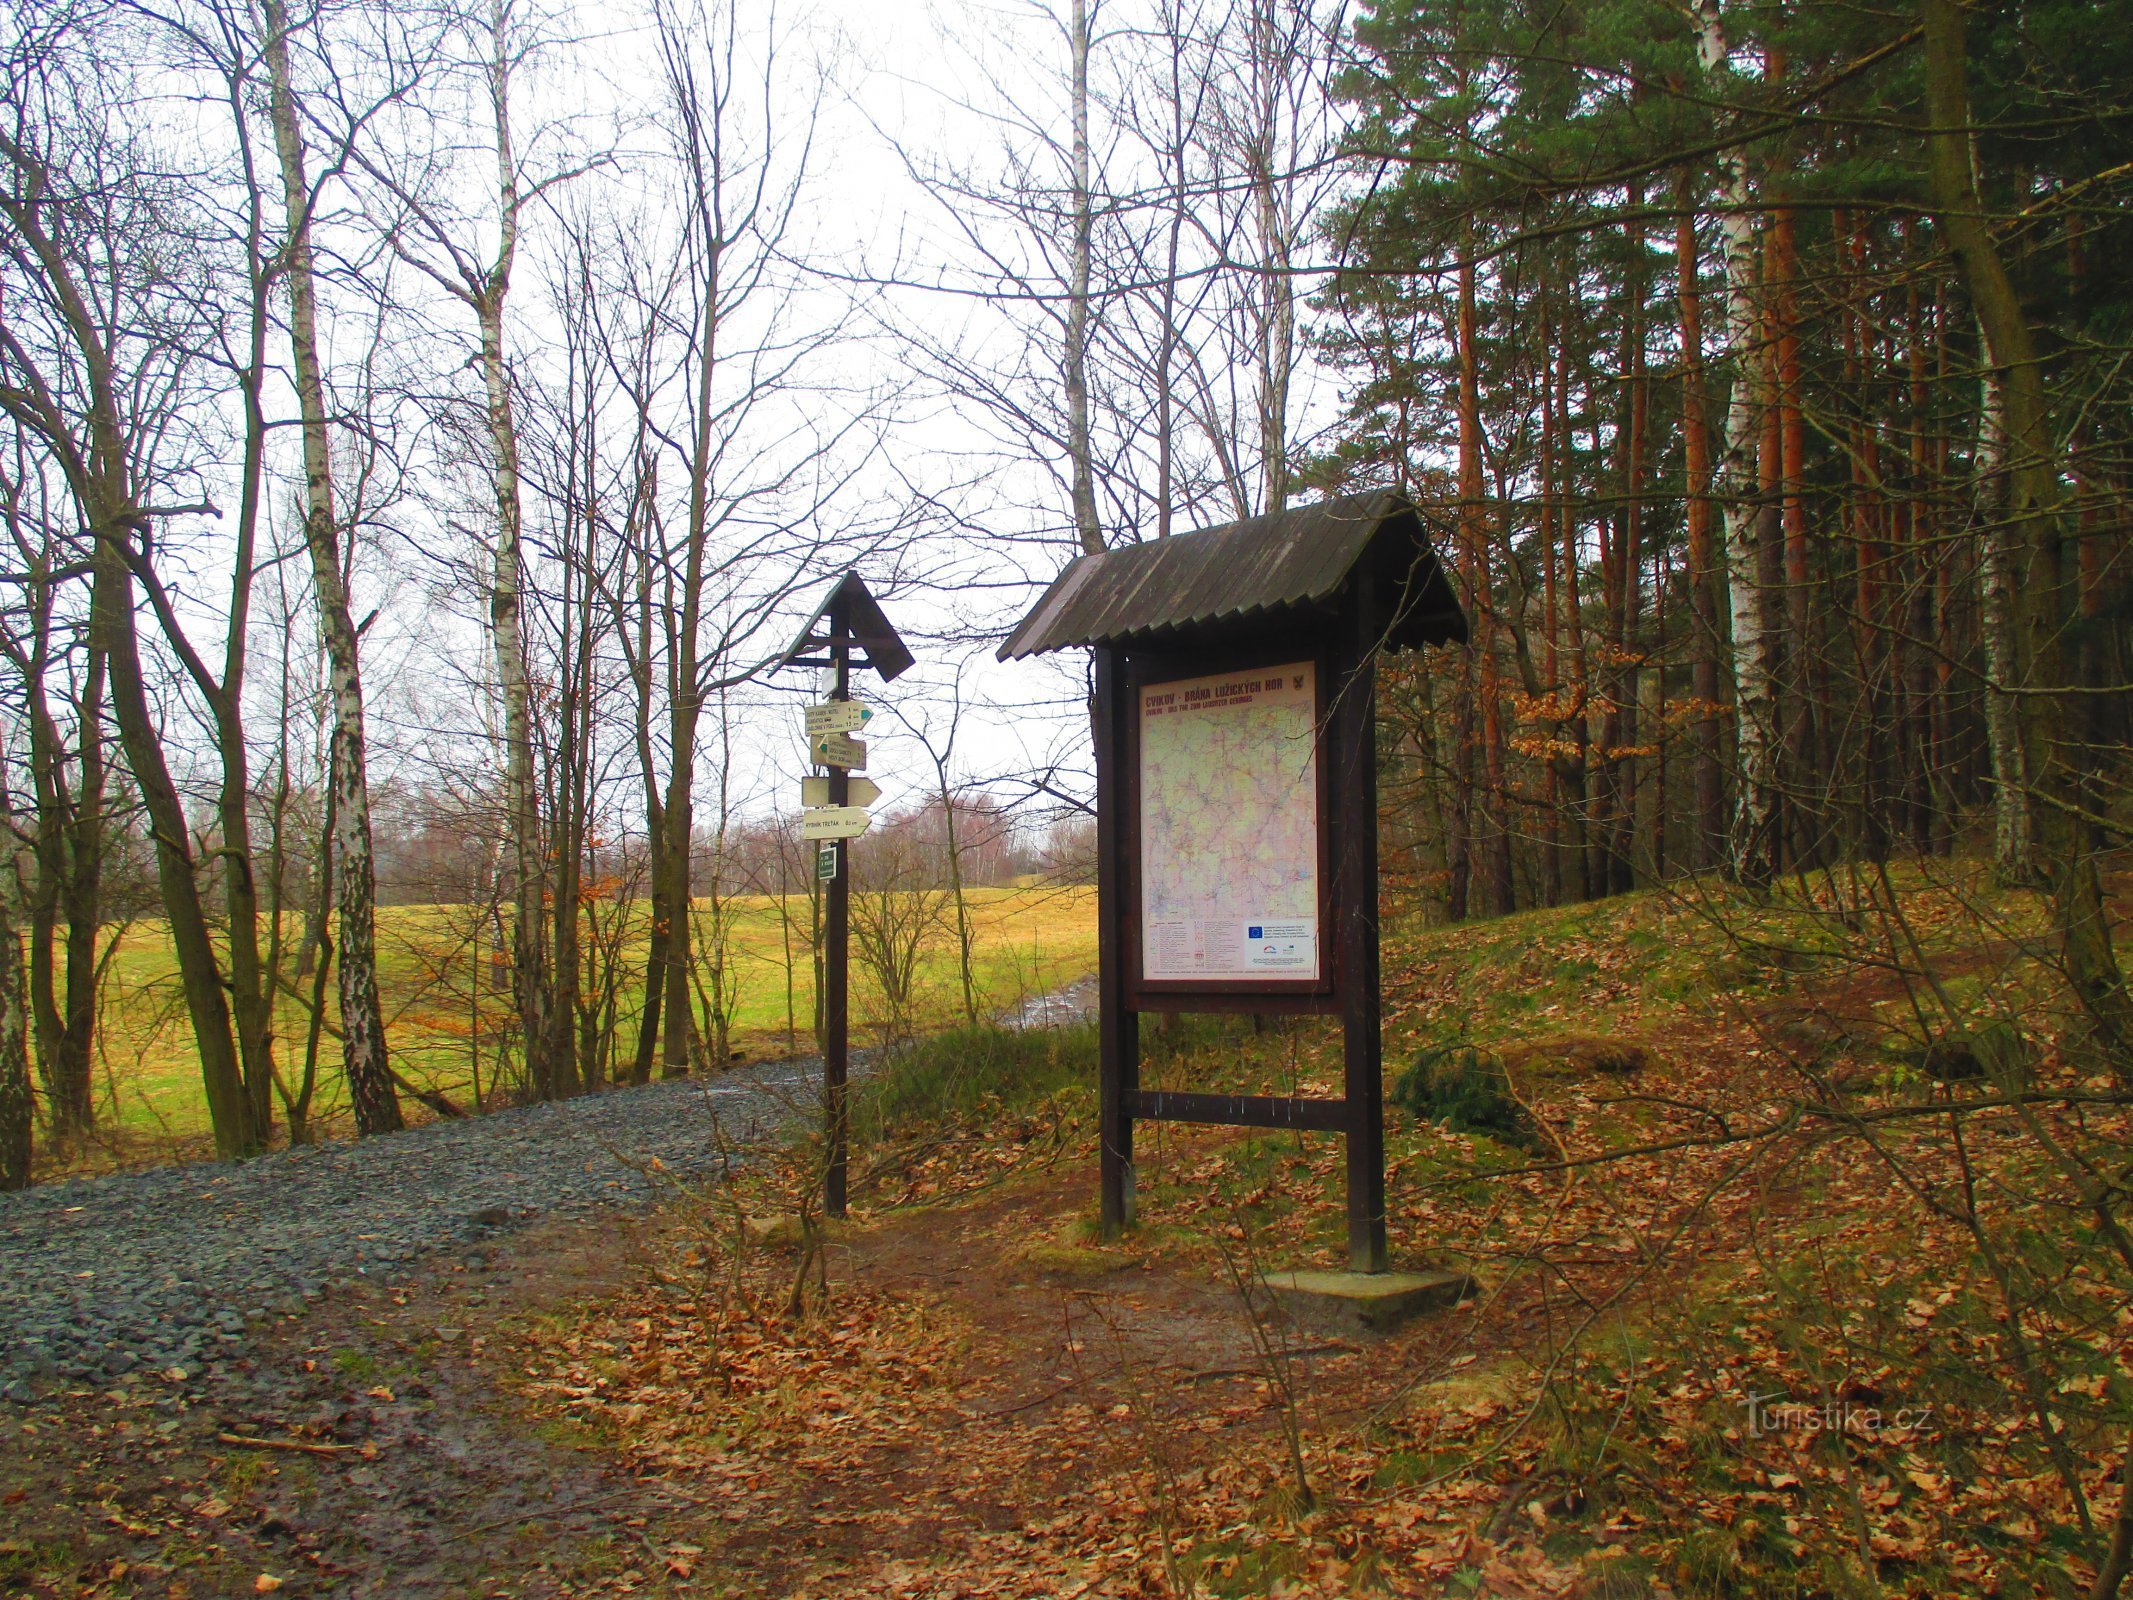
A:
(448, 1006)
(1598, 967)
(1602, 968)
(949, 1076)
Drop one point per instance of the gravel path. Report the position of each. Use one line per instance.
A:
(162, 1268)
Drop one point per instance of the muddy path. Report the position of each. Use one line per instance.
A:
(376, 1443)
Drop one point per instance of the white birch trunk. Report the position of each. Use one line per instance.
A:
(1087, 529)
(18, 1103)
(507, 581)
(2013, 855)
(1274, 219)
(363, 1054)
(1755, 638)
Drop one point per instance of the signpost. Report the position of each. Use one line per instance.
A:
(1236, 800)
(858, 791)
(834, 822)
(848, 620)
(836, 716)
(838, 750)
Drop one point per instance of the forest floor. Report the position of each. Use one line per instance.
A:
(964, 1394)
(976, 1405)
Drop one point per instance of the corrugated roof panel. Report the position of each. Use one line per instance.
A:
(1298, 557)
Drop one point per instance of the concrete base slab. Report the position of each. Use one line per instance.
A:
(1373, 1301)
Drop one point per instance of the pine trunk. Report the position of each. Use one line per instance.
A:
(1483, 825)
(1706, 643)
(1800, 653)
(1628, 609)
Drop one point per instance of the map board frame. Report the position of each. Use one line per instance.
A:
(1344, 648)
(1264, 995)
(1340, 581)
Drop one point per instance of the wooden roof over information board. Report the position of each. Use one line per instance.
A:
(1284, 567)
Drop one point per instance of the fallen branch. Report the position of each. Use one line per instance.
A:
(1031, 1405)
(305, 1445)
(435, 1099)
(1302, 1352)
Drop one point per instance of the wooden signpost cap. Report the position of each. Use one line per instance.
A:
(863, 625)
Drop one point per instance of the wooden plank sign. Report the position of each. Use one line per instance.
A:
(837, 716)
(834, 822)
(857, 791)
(839, 750)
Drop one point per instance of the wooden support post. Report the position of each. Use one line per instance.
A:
(1119, 1055)
(837, 931)
(848, 619)
(1356, 900)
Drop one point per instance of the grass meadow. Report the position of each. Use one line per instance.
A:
(448, 1006)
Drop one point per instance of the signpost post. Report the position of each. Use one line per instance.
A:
(848, 619)
(1236, 804)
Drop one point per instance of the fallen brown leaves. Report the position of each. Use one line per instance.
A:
(718, 1386)
(1700, 1364)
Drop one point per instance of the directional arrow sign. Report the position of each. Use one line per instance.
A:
(833, 822)
(839, 750)
(838, 716)
(858, 791)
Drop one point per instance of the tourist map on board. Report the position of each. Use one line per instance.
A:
(1229, 826)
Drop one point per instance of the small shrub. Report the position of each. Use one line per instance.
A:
(1708, 1563)
(950, 1076)
(1992, 1050)
(1616, 1059)
(1615, 1576)
(1467, 1090)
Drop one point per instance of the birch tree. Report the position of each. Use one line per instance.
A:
(2051, 734)
(363, 1046)
(1757, 633)
(18, 1108)
(476, 272)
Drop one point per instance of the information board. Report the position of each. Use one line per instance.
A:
(1229, 827)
